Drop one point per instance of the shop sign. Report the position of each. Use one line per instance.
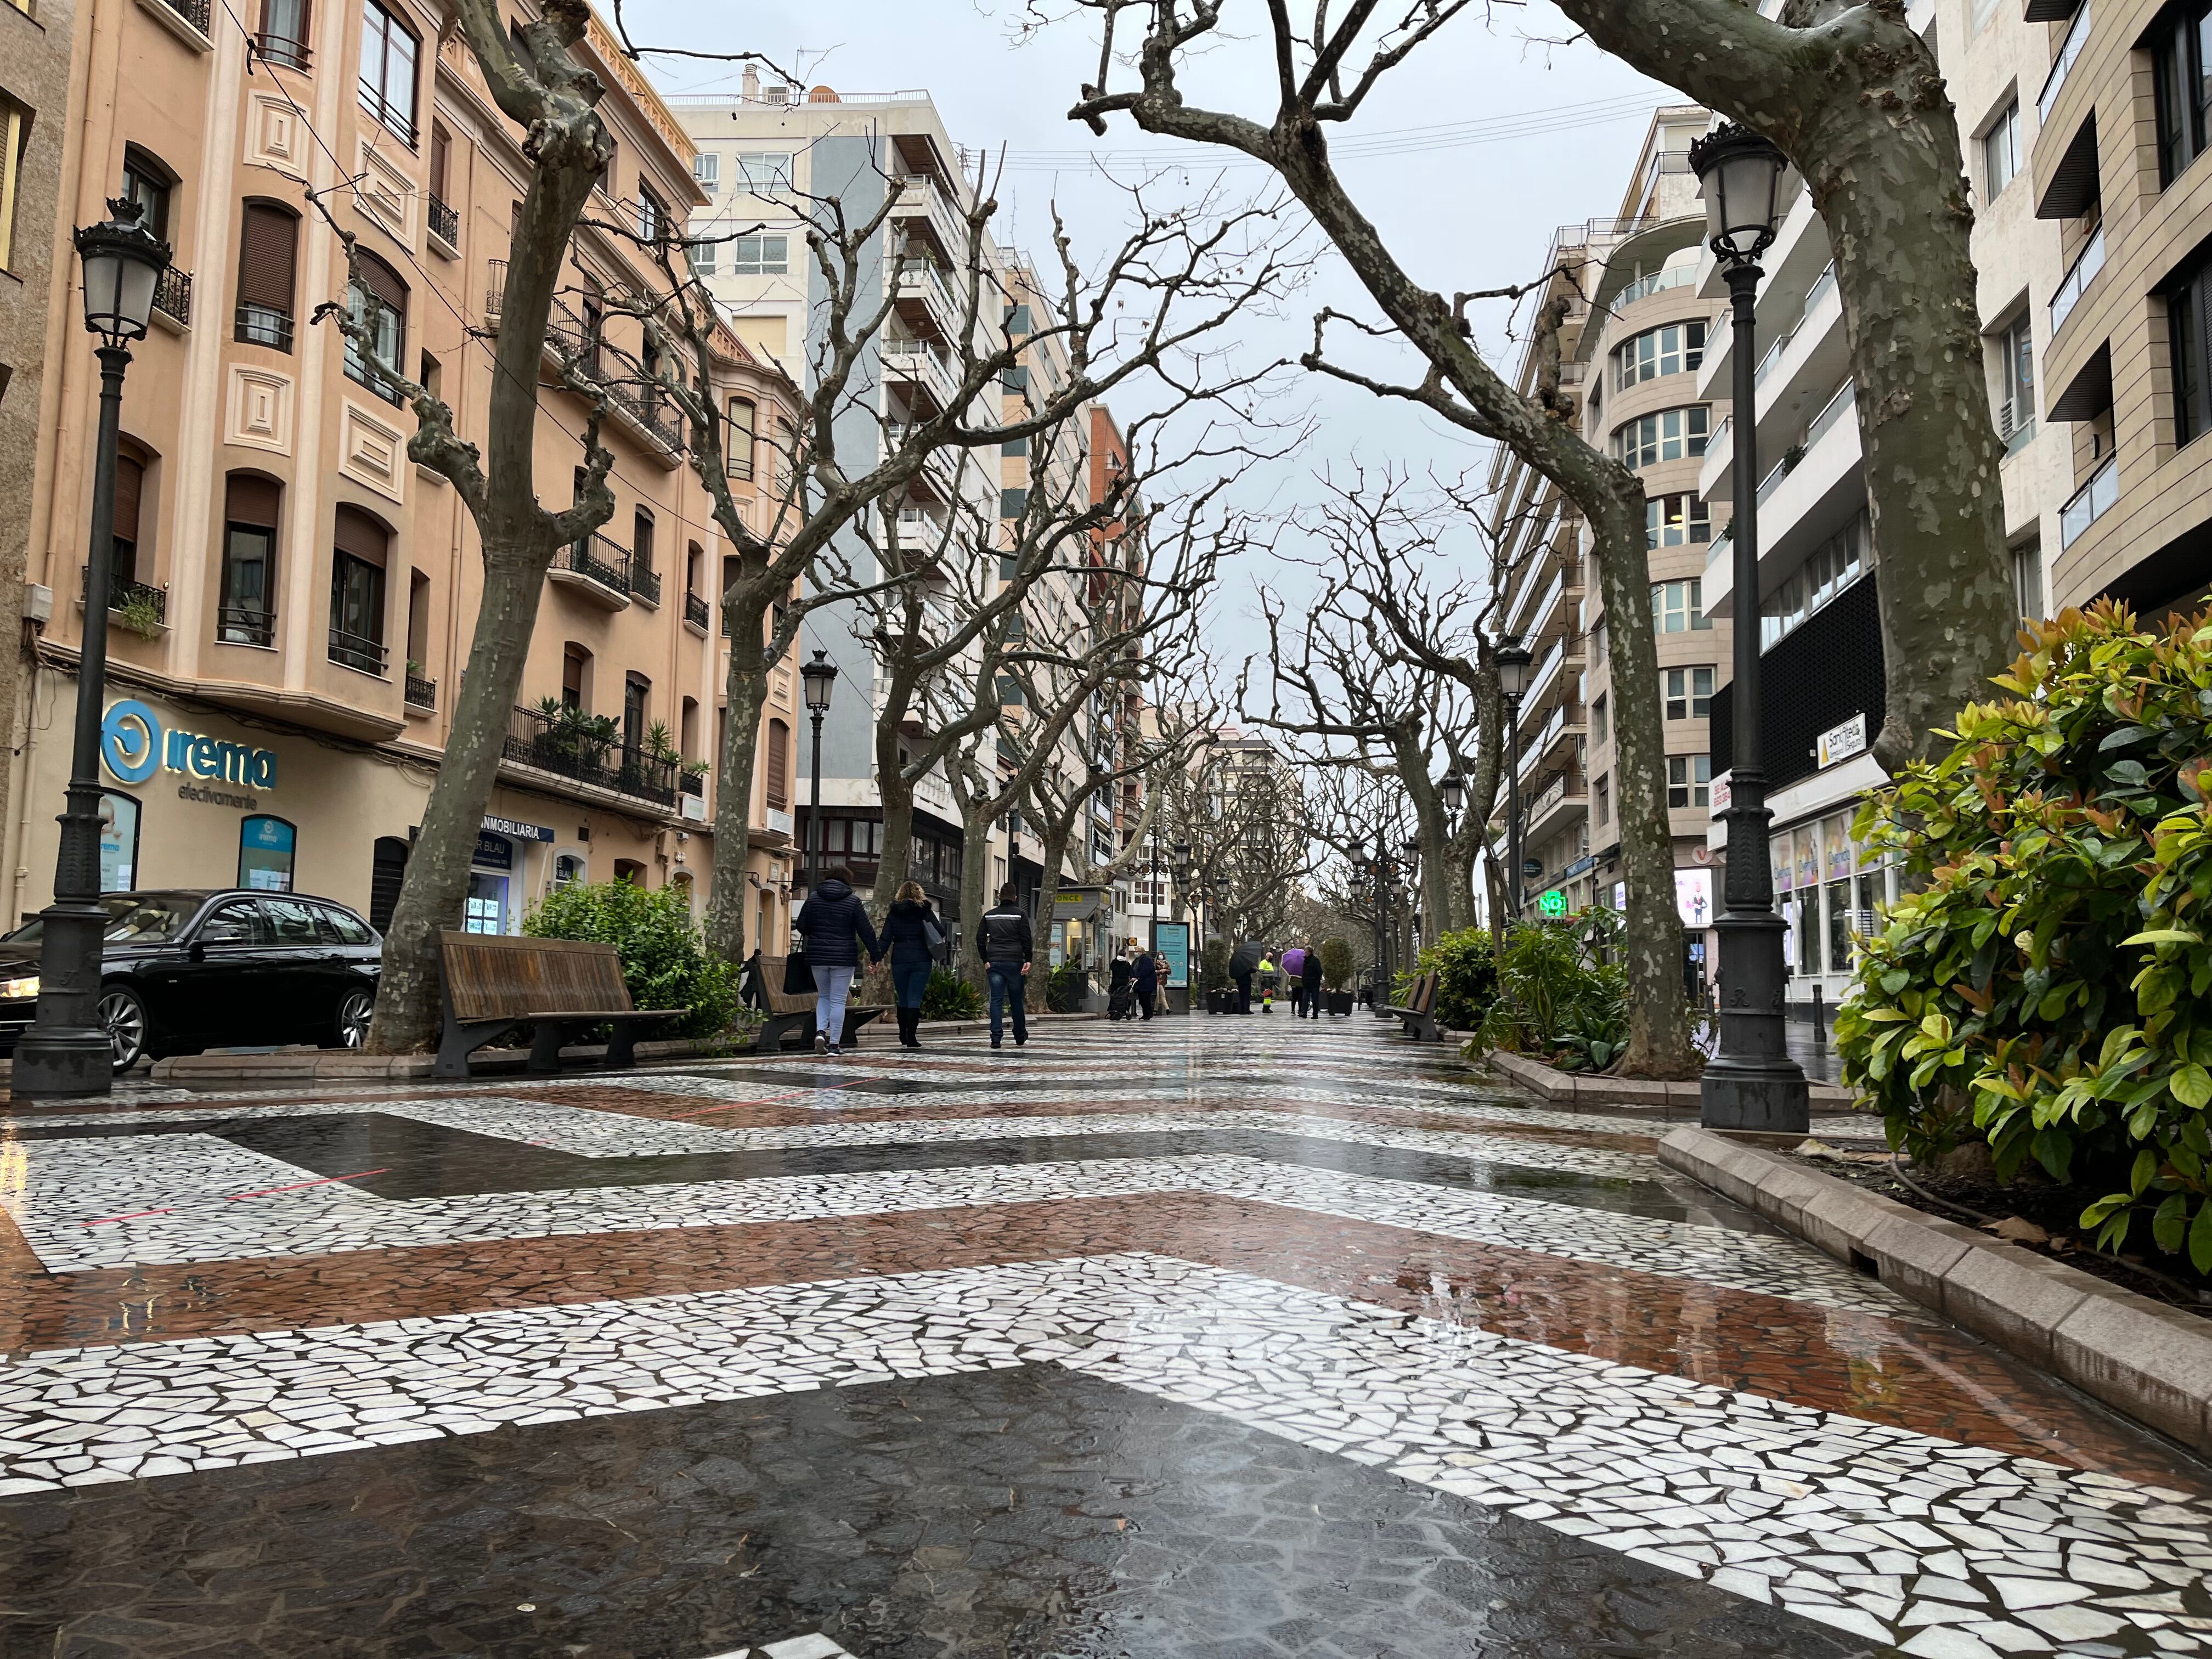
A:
(515, 829)
(133, 745)
(1580, 867)
(1842, 742)
(494, 852)
(1554, 903)
(1693, 897)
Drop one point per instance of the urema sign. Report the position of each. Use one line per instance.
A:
(132, 744)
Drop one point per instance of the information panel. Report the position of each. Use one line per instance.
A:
(1175, 945)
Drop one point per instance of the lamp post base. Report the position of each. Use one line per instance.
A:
(63, 1065)
(1736, 1094)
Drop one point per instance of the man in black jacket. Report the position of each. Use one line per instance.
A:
(1008, 945)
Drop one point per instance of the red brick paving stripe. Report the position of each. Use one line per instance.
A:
(1929, 1379)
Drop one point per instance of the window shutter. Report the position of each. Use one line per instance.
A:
(130, 483)
(267, 247)
(439, 143)
(779, 765)
(248, 499)
(358, 534)
(382, 281)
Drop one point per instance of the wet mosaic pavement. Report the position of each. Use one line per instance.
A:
(1203, 1337)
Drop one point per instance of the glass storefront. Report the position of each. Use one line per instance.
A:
(1827, 886)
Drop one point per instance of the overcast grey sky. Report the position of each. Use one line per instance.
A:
(1480, 146)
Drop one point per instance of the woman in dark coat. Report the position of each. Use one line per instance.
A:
(835, 926)
(1145, 975)
(906, 934)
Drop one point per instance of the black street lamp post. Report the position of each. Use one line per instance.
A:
(1514, 663)
(820, 676)
(70, 1049)
(1751, 1083)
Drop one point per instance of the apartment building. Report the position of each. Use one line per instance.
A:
(1638, 332)
(294, 599)
(2037, 247)
(757, 159)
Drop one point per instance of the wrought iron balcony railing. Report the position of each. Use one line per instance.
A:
(588, 749)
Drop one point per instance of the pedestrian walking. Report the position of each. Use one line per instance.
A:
(1145, 977)
(1311, 979)
(1294, 970)
(834, 925)
(1118, 974)
(1242, 961)
(1008, 944)
(914, 936)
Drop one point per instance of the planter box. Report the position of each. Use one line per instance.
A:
(1339, 1002)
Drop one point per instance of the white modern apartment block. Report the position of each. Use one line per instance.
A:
(765, 159)
(1820, 635)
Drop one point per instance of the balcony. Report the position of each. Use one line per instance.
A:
(2076, 38)
(2090, 502)
(277, 49)
(697, 617)
(194, 12)
(262, 325)
(923, 373)
(1559, 800)
(243, 624)
(1802, 502)
(141, 607)
(422, 694)
(172, 295)
(596, 568)
(646, 412)
(358, 652)
(921, 197)
(446, 225)
(645, 584)
(588, 750)
(1567, 718)
(926, 303)
(2079, 275)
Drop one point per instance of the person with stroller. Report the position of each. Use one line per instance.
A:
(1144, 978)
(1118, 1005)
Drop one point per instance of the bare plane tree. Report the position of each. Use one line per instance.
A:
(1318, 85)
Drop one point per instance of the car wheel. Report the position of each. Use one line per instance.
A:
(123, 1015)
(356, 1008)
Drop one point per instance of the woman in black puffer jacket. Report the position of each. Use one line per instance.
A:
(906, 936)
(835, 926)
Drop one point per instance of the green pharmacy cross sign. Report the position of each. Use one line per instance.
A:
(1554, 903)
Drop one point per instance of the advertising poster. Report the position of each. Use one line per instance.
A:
(1175, 945)
(119, 842)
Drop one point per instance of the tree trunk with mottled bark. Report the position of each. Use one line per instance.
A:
(746, 692)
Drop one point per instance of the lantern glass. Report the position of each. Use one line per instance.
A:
(1451, 788)
(1513, 664)
(123, 265)
(1740, 176)
(820, 675)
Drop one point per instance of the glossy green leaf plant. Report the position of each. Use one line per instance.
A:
(2043, 983)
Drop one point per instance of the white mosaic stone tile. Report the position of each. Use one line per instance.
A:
(188, 1224)
(1863, 1527)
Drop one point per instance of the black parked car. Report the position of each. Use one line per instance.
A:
(182, 971)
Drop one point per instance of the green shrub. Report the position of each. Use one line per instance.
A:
(1560, 994)
(2045, 987)
(1466, 977)
(665, 960)
(1214, 963)
(1337, 963)
(948, 996)
(1069, 984)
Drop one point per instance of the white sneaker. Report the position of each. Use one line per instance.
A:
(834, 1050)
(821, 1043)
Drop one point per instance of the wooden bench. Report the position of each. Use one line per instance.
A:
(790, 1012)
(494, 982)
(1416, 1018)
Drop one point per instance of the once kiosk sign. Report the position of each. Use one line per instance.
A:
(133, 745)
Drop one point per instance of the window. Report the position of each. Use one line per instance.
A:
(268, 242)
(1679, 607)
(15, 135)
(765, 169)
(1672, 349)
(641, 555)
(441, 149)
(2028, 580)
(387, 873)
(130, 491)
(637, 693)
(1673, 435)
(760, 256)
(704, 257)
(1604, 793)
(575, 678)
(1676, 521)
(2181, 50)
(779, 767)
(1830, 568)
(631, 871)
(246, 615)
(1689, 781)
(361, 547)
(1013, 503)
(652, 215)
(147, 182)
(739, 438)
(266, 847)
(706, 171)
(284, 37)
(1689, 694)
(2188, 312)
(567, 870)
(378, 300)
(2016, 382)
(387, 70)
(2001, 152)
(1600, 719)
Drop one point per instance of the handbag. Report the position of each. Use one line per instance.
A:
(798, 977)
(933, 937)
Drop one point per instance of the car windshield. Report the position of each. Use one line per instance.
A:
(131, 918)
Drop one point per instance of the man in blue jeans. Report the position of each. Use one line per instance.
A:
(1008, 945)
